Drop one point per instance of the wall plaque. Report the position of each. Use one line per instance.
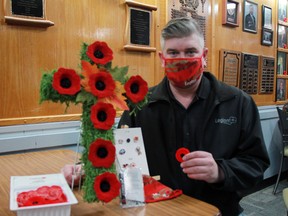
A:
(138, 27)
(266, 75)
(32, 8)
(26, 12)
(249, 73)
(230, 62)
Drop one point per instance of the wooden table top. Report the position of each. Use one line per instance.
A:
(51, 161)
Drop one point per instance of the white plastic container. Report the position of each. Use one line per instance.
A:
(20, 184)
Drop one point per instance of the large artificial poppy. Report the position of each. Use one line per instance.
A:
(99, 53)
(136, 88)
(101, 84)
(66, 81)
(103, 115)
(102, 153)
(107, 186)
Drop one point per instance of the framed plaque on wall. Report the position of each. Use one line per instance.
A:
(249, 73)
(250, 16)
(230, 62)
(266, 84)
(230, 15)
(28, 13)
(138, 27)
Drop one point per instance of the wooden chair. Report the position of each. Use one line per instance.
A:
(283, 125)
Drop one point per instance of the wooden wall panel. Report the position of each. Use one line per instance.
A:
(234, 38)
(27, 51)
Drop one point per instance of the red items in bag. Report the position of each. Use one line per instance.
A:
(155, 191)
(41, 196)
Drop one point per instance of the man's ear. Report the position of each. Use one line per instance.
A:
(205, 52)
(160, 54)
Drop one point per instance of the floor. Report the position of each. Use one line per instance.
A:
(264, 203)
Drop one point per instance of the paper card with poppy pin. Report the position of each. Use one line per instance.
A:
(130, 150)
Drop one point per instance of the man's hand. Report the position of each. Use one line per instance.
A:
(69, 173)
(200, 165)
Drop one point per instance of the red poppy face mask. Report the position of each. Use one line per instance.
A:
(183, 71)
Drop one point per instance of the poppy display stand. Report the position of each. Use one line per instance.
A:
(101, 89)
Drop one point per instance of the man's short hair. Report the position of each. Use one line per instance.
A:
(179, 28)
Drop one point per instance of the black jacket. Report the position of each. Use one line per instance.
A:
(231, 132)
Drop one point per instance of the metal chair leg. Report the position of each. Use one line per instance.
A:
(279, 174)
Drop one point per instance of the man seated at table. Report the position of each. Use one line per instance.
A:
(217, 123)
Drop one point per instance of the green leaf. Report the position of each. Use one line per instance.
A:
(119, 73)
(84, 96)
(83, 55)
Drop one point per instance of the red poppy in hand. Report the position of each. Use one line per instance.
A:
(180, 153)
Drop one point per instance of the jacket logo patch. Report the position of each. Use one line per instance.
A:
(228, 121)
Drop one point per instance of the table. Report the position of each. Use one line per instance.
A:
(51, 161)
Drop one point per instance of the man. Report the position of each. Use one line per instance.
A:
(250, 21)
(219, 124)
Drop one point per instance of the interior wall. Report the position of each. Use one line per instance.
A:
(26, 51)
(234, 38)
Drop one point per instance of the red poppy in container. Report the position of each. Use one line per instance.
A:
(102, 153)
(36, 200)
(99, 53)
(136, 88)
(180, 154)
(103, 115)
(41, 196)
(101, 84)
(66, 81)
(107, 186)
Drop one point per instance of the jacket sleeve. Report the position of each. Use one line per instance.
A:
(247, 167)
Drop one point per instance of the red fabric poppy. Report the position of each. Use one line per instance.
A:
(41, 196)
(107, 186)
(136, 88)
(180, 153)
(102, 153)
(102, 84)
(103, 115)
(35, 200)
(66, 81)
(99, 53)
